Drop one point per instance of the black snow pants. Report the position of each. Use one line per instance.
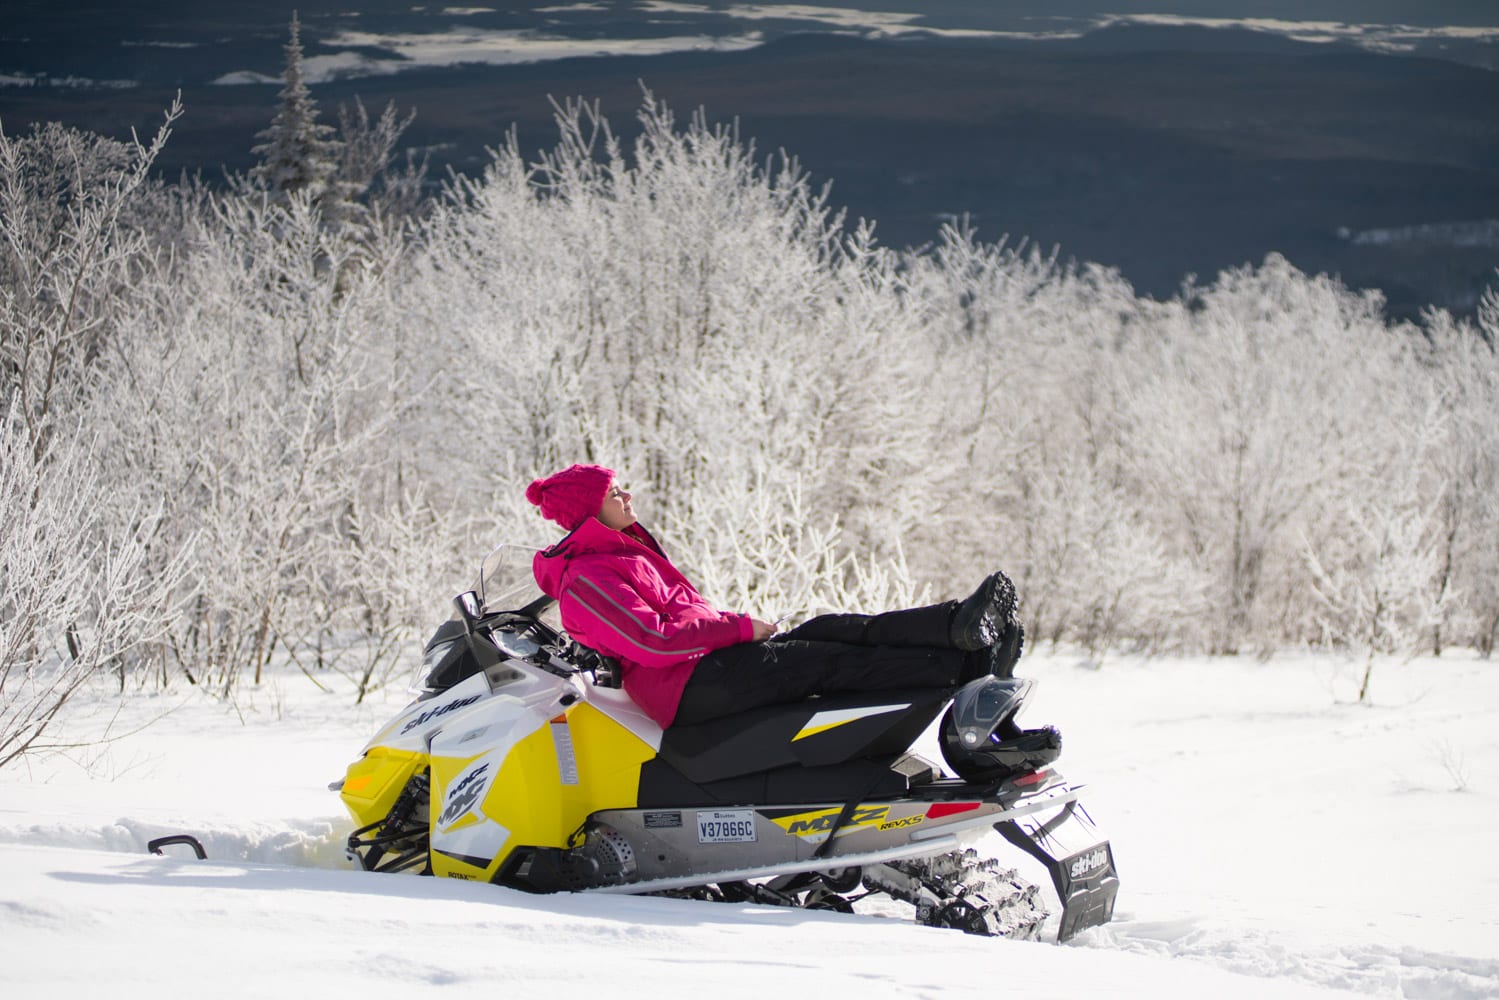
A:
(830, 654)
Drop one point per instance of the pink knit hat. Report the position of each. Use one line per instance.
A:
(573, 495)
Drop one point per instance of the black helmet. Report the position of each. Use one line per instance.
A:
(979, 737)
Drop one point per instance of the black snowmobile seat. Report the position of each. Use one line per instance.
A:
(814, 733)
(663, 786)
(807, 751)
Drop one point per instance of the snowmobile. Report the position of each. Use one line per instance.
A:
(523, 763)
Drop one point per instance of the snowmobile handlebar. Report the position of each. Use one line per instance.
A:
(605, 669)
(500, 627)
(550, 656)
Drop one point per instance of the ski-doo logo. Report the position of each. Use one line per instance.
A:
(1094, 859)
(463, 794)
(434, 713)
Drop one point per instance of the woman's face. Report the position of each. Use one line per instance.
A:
(617, 512)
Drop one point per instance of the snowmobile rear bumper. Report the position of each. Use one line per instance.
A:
(1080, 861)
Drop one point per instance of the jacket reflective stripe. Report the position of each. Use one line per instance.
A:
(580, 578)
(694, 651)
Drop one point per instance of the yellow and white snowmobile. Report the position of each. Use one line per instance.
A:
(521, 763)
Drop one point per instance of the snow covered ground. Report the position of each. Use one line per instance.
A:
(1273, 839)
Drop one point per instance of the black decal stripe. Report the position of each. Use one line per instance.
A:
(480, 863)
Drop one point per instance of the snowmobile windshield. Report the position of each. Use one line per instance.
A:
(979, 707)
(505, 579)
(505, 584)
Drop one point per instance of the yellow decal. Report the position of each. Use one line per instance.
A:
(814, 730)
(821, 822)
(904, 821)
(824, 721)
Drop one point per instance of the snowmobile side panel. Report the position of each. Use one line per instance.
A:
(419, 721)
(620, 707)
(538, 794)
(609, 756)
(460, 833)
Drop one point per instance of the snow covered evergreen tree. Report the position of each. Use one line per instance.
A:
(298, 153)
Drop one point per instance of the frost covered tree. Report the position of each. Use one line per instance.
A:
(1464, 360)
(73, 241)
(686, 315)
(76, 241)
(1488, 314)
(77, 599)
(298, 153)
(1244, 420)
(313, 431)
(257, 398)
(1035, 366)
(1373, 587)
(368, 165)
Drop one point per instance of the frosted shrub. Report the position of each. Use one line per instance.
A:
(262, 396)
(1374, 595)
(78, 595)
(73, 242)
(1247, 420)
(75, 600)
(688, 317)
(1464, 477)
(310, 430)
(1032, 382)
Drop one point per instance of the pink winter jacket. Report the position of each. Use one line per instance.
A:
(620, 595)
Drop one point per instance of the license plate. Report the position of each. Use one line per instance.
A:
(733, 826)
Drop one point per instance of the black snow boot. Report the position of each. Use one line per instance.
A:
(1005, 653)
(980, 621)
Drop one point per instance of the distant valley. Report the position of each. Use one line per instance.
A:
(1162, 151)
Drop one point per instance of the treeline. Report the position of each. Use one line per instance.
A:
(257, 422)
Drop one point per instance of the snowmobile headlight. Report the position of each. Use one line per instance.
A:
(436, 656)
(436, 653)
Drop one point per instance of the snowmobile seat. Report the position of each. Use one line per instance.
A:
(663, 786)
(818, 732)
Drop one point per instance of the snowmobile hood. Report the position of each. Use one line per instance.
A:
(592, 537)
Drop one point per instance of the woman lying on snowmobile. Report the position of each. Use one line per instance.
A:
(683, 661)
